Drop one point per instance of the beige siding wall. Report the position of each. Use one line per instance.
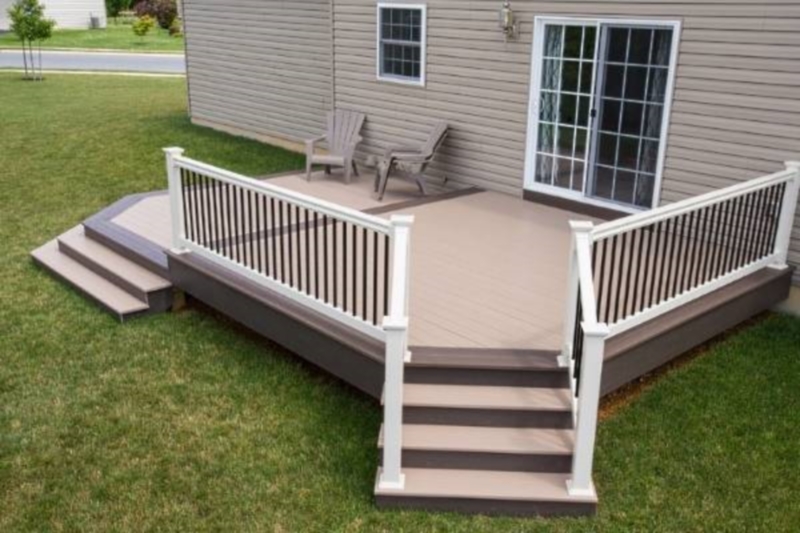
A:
(263, 68)
(736, 112)
(259, 67)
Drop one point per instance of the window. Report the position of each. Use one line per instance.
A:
(401, 43)
(601, 109)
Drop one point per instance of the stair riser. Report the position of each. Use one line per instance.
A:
(128, 252)
(487, 417)
(102, 271)
(489, 507)
(506, 462)
(486, 377)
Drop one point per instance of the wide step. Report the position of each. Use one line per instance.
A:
(109, 296)
(482, 366)
(486, 448)
(470, 405)
(124, 273)
(486, 492)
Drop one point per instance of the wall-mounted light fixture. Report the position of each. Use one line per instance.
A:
(508, 23)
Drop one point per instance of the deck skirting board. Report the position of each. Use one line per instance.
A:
(655, 343)
(340, 351)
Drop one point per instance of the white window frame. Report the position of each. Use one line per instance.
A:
(423, 44)
(529, 182)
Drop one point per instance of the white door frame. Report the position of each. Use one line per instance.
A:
(533, 106)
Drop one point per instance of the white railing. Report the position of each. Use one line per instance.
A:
(347, 265)
(631, 270)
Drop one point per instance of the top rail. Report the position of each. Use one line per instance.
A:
(644, 218)
(324, 207)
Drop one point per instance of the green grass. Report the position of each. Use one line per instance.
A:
(181, 422)
(114, 37)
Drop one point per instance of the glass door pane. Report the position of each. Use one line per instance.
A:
(567, 78)
(630, 108)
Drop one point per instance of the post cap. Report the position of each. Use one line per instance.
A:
(595, 330)
(391, 323)
(402, 220)
(173, 150)
(582, 226)
(792, 165)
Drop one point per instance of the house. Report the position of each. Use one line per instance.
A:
(619, 186)
(68, 14)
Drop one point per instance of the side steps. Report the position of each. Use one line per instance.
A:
(120, 286)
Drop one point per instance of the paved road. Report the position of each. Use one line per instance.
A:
(101, 61)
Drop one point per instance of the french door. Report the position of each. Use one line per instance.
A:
(601, 90)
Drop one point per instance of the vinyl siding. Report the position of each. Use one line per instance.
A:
(735, 114)
(261, 68)
(68, 14)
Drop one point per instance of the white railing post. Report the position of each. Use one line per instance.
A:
(786, 222)
(175, 196)
(580, 484)
(579, 236)
(396, 327)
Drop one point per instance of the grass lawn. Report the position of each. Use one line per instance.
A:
(114, 37)
(181, 422)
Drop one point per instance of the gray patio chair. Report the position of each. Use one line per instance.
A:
(409, 162)
(342, 136)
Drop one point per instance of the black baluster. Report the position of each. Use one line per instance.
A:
(375, 277)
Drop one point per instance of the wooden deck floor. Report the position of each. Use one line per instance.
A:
(488, 270)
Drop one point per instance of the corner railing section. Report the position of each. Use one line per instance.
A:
(347, 265)
(628, 271)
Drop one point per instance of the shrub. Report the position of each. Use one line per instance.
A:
(176, 29)
(143, 25)
(164, 11)
(115, 7)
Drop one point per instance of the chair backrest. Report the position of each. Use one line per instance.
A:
(343, 126)
(435, 140)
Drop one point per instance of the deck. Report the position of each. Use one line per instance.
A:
(488, 269)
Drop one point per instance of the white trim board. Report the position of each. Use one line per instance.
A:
(533, 105)
(423, 44)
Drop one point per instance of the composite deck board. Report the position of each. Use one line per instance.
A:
(488, 270)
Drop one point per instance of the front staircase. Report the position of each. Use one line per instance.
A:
(486, 431)
(120, 286)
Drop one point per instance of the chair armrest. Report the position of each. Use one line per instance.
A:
(391, 150)
(311, 142)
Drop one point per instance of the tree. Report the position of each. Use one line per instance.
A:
(31, 27)
(115, 7)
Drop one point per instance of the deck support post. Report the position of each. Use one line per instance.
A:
(580, 484)
(395, 326)
(175, 197)
(786, 220)
(580, 237)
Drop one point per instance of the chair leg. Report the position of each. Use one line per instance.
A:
(328, 170)
(308, 169)
(348, 168)
(355, 168)
(420, 179)
(384, 179)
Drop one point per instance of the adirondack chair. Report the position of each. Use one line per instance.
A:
(342, 136)
(409, 162)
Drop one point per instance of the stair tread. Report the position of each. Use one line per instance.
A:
(137, 276)
(486, 485)
(484, 358)
(95, 286)
(506, 440)
(486, 397)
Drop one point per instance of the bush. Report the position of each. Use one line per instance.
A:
(115, 7)
(143, 25)
(176, 29)
(164, 11)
